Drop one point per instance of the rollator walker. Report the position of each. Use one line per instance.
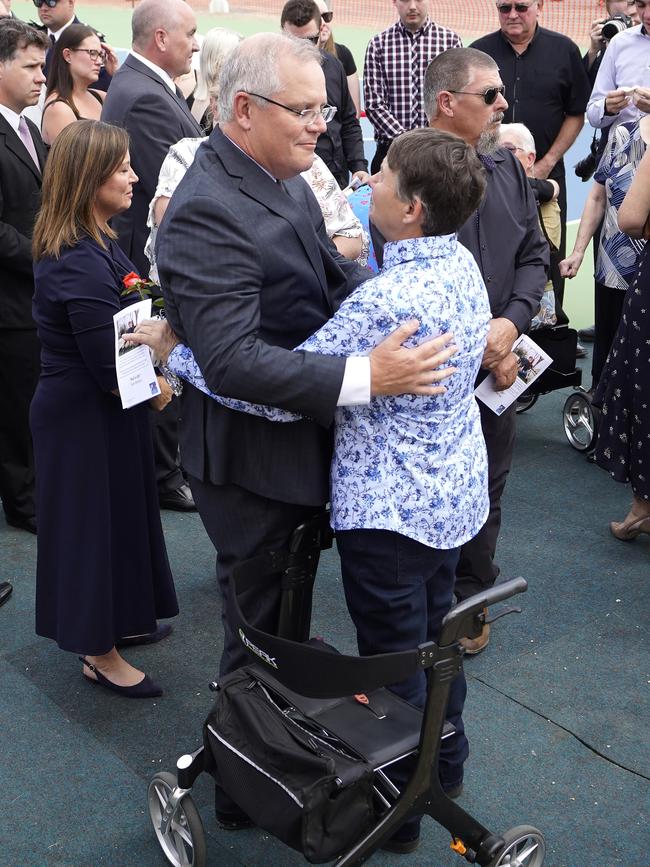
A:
(303, 738)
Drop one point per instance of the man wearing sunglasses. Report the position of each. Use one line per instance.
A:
(393, 75)
(546, 87)
(340, 146)
(463, 94)
(56, 16)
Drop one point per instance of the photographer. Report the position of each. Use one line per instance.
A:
(619, 10)
(620, 93)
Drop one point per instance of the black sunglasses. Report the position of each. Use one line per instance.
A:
(506, 8)
(315, 39)
(489, 95)
(327, 16)
(50, 3)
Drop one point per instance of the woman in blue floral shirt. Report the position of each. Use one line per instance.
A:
(409, 473)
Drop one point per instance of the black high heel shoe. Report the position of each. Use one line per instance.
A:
(147, 688)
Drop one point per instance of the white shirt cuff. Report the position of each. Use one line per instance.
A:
(355, 388)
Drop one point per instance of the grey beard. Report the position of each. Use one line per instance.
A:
(488, 141)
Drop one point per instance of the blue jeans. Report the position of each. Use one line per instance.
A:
(398, 591)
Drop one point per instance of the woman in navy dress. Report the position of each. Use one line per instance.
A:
(102, 575)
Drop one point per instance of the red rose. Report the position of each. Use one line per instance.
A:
(131, 280)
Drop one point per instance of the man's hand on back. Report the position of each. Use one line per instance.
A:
(396, 369)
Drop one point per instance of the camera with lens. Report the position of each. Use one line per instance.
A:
(614, 25)
(587, 166)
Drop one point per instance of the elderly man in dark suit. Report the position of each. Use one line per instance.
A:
(248, 272)
(22, 157)
(144, 100)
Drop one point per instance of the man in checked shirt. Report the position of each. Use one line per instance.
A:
(393, 76)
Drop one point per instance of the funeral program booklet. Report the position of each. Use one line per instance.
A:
(136, 378)
(532, 362)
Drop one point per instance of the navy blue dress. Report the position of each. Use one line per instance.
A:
(102, 570)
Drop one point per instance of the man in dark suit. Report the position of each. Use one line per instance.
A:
(22, 157)
(340, 146)
(143, 99)
(56, 18)
(248, 272)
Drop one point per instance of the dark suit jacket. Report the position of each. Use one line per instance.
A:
(155, 118)
(20, 199)
(248, 272)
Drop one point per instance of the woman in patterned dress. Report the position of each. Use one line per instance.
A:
(623, 446)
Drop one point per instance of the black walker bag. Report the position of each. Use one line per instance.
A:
(288, 775)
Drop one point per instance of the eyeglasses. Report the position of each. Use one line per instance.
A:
(506, 8)
(489, 95)
(93, 53)
(307, 115)
(315, 39)
(50, 3)
(513, 148)
(327, 16)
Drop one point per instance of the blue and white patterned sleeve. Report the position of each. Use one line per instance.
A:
(181, 361)
(356, 328)
(361, 322)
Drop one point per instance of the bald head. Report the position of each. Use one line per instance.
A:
(163, 32)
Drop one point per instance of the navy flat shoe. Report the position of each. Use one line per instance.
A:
(147, 688)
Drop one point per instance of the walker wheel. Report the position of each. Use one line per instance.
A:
(184, 841)
(526, 401)
(524, 847)
(580, 422)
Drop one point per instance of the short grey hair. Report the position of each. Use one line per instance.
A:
(217, 45)
(523, 135)
(254, 66)
(149, 15)
(452, 70)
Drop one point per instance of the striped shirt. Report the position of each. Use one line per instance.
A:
(393, 76)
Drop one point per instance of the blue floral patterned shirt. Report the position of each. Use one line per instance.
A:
(415, 465)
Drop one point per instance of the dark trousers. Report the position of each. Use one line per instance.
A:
(398, 591)
(380, 153)
(164, 428)
(608, 306)
(558, 282)
(241, 525)
(476, 568)
(19, 372)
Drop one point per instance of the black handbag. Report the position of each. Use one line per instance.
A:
(289, 775)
